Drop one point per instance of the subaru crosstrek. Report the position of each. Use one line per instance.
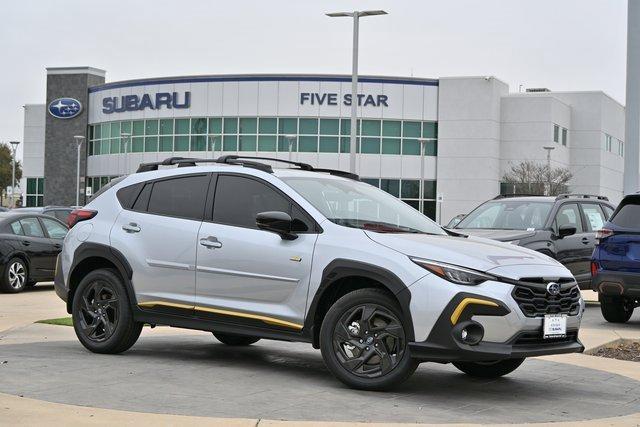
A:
(246, 251)
(615, 265)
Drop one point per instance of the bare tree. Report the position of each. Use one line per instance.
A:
(529, 177)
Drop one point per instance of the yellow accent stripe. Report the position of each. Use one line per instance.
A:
(466, 302)
(266, 319)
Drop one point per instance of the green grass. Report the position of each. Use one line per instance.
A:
(62, 321)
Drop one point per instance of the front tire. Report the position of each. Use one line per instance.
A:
(616, 309)
(102, 316)
(489, 369)
(15, 277)
(363, 341)
(235, 340)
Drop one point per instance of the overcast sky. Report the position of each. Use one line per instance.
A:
(560, 44)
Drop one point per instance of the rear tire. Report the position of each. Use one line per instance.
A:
(235, 340)
(102, 316)
(363, 341)
(15, 276)
(489, 369)
(616, 309)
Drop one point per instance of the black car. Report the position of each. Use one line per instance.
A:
(29, 246)
(59, 212)
(562, 227)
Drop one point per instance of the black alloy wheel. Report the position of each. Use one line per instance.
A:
(99, 312)
(369, 341)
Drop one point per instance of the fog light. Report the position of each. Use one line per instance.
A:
(464, 334)
(469, 332)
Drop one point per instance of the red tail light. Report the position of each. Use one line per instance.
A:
(603, 234)
(78, 215)
(594, 268)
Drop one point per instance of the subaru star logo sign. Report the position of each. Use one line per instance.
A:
(65, 108)
(553, 288)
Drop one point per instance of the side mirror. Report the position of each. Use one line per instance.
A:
(566, 230)
(276, 222)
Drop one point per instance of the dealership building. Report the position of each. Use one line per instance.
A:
(466, 132)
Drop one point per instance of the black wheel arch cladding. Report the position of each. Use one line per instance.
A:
(343, 268)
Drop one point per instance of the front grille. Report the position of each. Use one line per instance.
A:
(536, 338)
(534, 301)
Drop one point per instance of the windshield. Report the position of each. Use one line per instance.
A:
(359, 205)
(508, 215)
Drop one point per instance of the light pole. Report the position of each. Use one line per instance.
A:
(290, 139)
(125, 137)
(14, 147)
(549, 150)
(422, 142)
(354, 77)
(212, 141)
(78, 139)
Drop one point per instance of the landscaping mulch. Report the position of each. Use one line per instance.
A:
(625, 350)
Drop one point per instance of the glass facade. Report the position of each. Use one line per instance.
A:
(35, 192)
(262, 134)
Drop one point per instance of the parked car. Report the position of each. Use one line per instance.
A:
(229, 248)
(29, 246)
(59, 212)
(562, 227)
(3, 209)
(615, 265)
(455, 221)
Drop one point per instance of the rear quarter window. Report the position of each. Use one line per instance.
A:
(628, 214)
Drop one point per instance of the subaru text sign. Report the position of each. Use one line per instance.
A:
(169, 100)
(65, 108)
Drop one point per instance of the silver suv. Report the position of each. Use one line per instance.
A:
(245, 251)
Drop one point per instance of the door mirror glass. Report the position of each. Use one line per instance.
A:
(566, 230)
(276, 222)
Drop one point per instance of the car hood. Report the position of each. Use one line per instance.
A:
(471, 252)
(500, 235)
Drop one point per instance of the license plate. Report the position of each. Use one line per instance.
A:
(555, 326)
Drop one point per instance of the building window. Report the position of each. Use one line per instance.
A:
(35, 192)
(263, 134)
(408, 190)
(556, 133)
(620, 148)
(564, 136)
(97, 182)
(608, 143)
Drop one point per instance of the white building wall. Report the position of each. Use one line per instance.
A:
(469, 131)
(33, 140)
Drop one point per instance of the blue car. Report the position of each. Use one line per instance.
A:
(615, 263)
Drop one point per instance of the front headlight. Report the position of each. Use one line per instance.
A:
(454, 273)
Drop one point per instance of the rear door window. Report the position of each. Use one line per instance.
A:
(54, 228)
(594, 216)
(17, 228)
(182, 197)
(31, 227)
(628, 215)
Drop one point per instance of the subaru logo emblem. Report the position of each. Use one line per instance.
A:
(65, 108)
(553, 288)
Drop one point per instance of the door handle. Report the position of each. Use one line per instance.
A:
(210, 242)
(585, 240)
(26, 243)
(57, 246)
(132, 227)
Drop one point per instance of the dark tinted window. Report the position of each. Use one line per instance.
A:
(238, 201)
(31, 227)
(628, 214)
(127, 195)
(182, 197)
(142, 201)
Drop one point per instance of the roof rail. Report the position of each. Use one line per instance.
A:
(506, 196)
(247, 161)
(581, 196)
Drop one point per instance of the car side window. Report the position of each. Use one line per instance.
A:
(608, 211)
(31, 227)
(54, 228)
(568, 214)
(181, 197)
(142, 201)
(239, 199)
(17, 228)
(594, 216)
(61, 214)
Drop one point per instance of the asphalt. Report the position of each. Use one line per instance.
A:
(171, 371)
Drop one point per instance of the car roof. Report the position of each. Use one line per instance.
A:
(549, 199)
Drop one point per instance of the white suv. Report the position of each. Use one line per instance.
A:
(245, 251)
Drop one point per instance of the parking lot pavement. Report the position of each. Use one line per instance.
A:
(186, 374)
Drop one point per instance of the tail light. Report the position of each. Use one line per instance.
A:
(78, 215)
(603, 234)
(594, 268)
